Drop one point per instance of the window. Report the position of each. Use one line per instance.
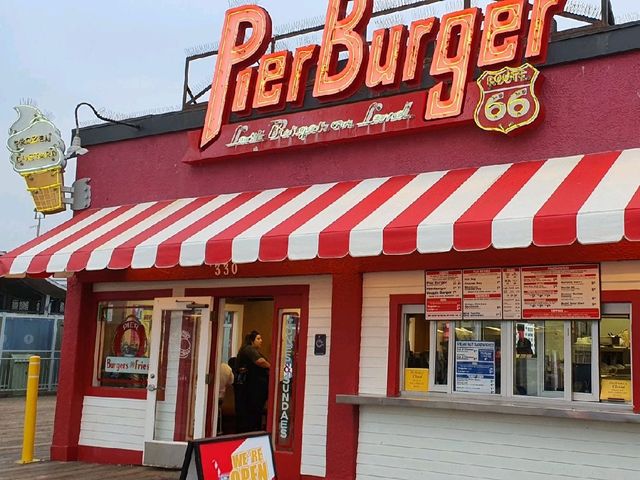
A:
(441, 356)
(124, 332)
(19, 305)
(227, 337)
(416, 352)
(583, 352)
(615, 353)
(56, 306)
(586, 360)
(478, 357)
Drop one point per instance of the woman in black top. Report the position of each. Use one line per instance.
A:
(254, 367)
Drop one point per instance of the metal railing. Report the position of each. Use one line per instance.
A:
(13, 371)
(24, 335)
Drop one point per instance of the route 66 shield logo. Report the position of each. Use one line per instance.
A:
(508, 98)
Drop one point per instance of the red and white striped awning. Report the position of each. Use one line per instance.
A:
(589, 198)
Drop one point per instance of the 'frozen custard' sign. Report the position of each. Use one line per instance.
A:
(510, 33)
(37, 154)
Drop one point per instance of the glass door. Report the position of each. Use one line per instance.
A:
(287, 384)
(539, 350)
(289, 327)
(176, 388)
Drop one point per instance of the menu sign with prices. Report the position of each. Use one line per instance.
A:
(443, 295)
(475, 367)
(559, 292)
(515, 293)
(482, 294)
(511, 294)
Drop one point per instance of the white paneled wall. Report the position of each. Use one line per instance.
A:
(314, 425)
(620, 275)
(374, 346)
(411, 443)
(113, 423)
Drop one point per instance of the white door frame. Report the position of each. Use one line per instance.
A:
(204, 336)
(236, 343)
(237, 339)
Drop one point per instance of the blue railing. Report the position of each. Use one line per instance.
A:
(23, 335)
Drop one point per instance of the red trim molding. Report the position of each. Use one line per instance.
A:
(395, 338)
(63, 453)
(186, 376)
(288, 458)
(213, 355)
(344, 376)
(114, 392)
(257, 291)
(111, 456)
(632, 297)
(623, 250)
(133, 295)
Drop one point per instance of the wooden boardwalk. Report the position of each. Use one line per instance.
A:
(11, 421)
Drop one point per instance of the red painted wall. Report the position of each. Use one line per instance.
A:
(66, 432)
(591, 106)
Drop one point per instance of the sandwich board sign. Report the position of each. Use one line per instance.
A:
(231, 457)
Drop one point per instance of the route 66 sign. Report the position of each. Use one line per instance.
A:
(508, 98)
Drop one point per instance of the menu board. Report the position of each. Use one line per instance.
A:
(561, 292)
(511, 294)
(443, 295)
(547, 292)
(482, 294)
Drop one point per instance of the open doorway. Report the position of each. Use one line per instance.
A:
(243, 386)
(280, 316)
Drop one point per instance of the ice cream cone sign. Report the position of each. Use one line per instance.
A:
(37, 154)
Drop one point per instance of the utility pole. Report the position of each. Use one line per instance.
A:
(39, 217)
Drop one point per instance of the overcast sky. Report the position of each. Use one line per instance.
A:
(123, 56)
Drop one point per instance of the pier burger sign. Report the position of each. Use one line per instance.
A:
(504, 42)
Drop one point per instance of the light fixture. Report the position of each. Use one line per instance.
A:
(76, 149)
